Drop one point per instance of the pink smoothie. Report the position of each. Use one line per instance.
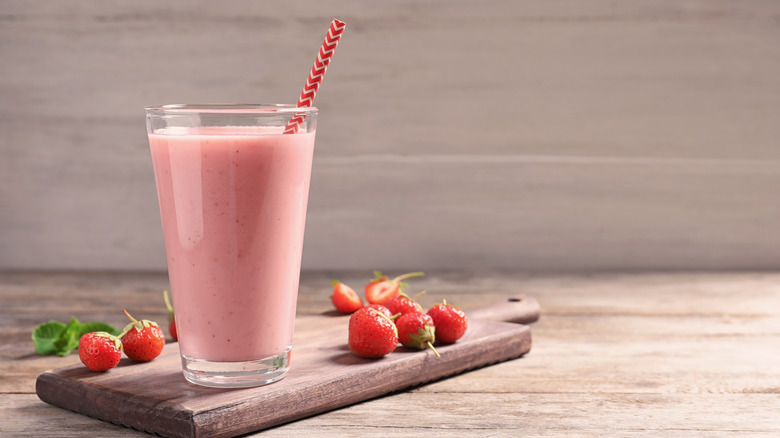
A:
(233, 207)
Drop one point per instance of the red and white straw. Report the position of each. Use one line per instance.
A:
(317, 73)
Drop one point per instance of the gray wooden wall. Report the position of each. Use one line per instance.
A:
(540, 135)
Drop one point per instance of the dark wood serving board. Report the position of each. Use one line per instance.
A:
(324, 375)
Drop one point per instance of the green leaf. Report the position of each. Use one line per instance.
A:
(61, 339)
(73, 324)
(68, 339)
(67, 342)
(45, 335)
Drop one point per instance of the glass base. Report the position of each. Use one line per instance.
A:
(242, 374)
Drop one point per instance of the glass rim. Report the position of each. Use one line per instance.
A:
(228, 108)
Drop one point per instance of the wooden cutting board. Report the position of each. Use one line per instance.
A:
(324, 375)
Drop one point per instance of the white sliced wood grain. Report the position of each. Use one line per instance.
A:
(543, 216)
(549, 136)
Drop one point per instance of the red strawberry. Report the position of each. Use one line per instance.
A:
(382, 309)
(371, 333)
(345, 298)
(451, 323)
(381, 289)
(100, 351)
(171, 320)
(416, 330)
(142, 340)
(403, 304)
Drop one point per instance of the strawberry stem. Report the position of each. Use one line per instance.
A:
(434, 350)
(389, 318)
(422, 292)
(409, 275)
(167, 302)
(395, 329)
(129, 316)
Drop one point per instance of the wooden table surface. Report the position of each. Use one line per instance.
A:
(667, 354)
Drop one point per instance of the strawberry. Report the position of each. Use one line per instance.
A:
(345, 298)
(381, 289)
(416, 330)
(171, 320)
(451, 323)
(100, 351)
(382, 309)
(403, 304)
(371, 333)
(142, 340)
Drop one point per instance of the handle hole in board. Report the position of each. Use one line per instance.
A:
(515, 300)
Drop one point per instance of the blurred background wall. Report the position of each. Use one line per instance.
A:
(536, 135)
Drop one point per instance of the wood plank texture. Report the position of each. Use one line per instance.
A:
(551, 136)
(663, 354)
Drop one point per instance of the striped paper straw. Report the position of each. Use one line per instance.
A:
(317, 73)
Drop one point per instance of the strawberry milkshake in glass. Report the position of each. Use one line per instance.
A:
(233, 191)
